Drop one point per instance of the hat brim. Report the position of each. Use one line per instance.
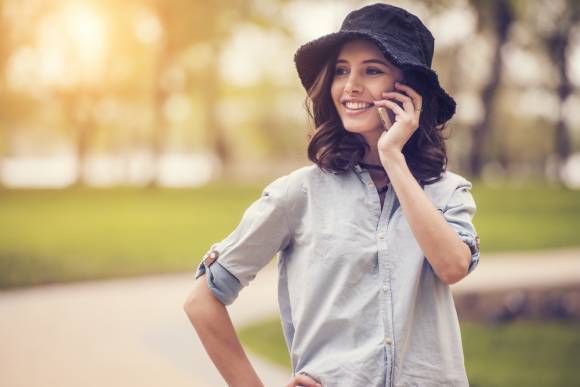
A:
(310, 59)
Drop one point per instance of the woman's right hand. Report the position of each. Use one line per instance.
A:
(302, 380)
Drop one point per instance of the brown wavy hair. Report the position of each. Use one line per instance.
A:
(336, 150)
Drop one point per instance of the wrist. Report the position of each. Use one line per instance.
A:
(391, 157)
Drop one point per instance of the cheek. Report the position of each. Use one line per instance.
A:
(386, 85)
(335, 90)
(335, 93)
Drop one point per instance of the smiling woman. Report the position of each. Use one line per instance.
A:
(364, 270)
(361, 75)
(336, 150)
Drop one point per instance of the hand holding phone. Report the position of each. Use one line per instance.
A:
(387, 116)
(386, 120)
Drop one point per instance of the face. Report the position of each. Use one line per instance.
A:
(361, 75)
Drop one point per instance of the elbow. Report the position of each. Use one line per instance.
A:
(188, 305)
(451, 277)
(193, 299)
(455, 270)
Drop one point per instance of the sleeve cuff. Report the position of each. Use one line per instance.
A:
(224, 285)
(472, 242)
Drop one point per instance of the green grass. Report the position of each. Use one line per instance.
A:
(56, 236)
(76, 234)
(523, 354)
(527, 218)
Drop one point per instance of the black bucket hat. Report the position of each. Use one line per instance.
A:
(402, 38)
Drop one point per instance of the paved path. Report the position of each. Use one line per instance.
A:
(133, 332)
(523, 269)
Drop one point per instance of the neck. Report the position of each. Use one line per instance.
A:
(372, 139)
(372, 155)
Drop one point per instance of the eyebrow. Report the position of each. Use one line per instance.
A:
(368, 61)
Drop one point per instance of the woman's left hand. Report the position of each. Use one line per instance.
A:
(302, 380)
(406, 118)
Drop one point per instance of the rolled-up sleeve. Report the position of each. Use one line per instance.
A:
(263, 231)
(459, 213)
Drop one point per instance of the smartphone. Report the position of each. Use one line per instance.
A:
(387, 116)
(385, 119)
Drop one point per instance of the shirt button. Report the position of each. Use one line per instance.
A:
(370, 183)
(388, 341)
(385, 288)
(211, 257)
(381, 236)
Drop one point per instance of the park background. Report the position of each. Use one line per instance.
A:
(134, 134)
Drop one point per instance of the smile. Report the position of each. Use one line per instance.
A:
(357, 107)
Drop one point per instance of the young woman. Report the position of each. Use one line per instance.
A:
(370, 236)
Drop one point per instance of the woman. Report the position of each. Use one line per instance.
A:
(370, 236)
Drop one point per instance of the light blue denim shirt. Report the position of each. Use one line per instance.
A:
(360, 304)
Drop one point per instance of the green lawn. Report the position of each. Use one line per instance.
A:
(522, 354)
(75, 234)
(55, 236)
(527, 218)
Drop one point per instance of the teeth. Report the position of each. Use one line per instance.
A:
(357, 105)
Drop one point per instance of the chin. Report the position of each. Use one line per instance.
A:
(358, 128)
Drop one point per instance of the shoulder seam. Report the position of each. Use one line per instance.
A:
(284, 204)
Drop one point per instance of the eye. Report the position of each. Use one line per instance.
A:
(339, 71)
(374, 71)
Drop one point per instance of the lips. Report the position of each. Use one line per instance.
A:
(356, 107)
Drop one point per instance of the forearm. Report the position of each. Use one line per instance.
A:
(214, 327)
(443, 248)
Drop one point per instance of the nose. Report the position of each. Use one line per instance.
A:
(353, 85)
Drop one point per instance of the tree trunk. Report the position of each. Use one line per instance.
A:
(159, 122)
(216, 135)
(557, 45)
(503, 18)
(562, 140)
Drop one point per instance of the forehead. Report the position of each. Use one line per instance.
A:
(360, 48)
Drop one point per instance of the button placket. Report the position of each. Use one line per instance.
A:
(385, 304)
(372, 194)
(382, 232)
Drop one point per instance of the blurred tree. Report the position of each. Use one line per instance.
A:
(209, 23)
(68, 86)
(495, 17)
(556, 36)
(15, 107)
(3, 58)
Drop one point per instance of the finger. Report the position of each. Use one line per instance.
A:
(305, 381)
(409, 90)
(417, 98)
(408, 103)
(391, 105)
